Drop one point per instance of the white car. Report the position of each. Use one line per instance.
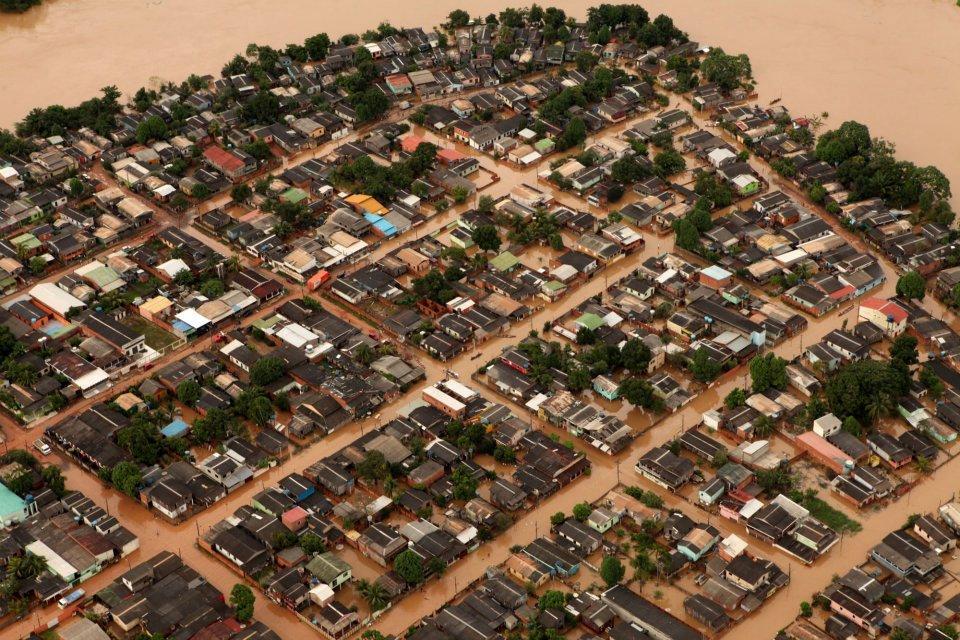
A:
(42, 447)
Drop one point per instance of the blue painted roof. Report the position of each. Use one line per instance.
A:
(175, 429)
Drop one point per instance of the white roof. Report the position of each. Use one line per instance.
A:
(165, 190)
(55, 563)
(296, 335)
(193, 318)
(173, 267)
(91, 379)
(744, 180)
(459, 389)
(55, 298)
(720, 154)
(444, 398)
(534, 403)
(8, 172)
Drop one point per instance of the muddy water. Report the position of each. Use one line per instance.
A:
(889, 63)
(884, 50)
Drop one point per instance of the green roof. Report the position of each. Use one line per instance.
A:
(10, 504)
(102, 276)
(544, 145)
(326, 567)
(294, 195)
(554, 285)
(26, 240)
(590, 321)
(504, 262)
(267, 323)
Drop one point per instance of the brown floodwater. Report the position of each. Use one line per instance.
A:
(851, 58)
(889, 63)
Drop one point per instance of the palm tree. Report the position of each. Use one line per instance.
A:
(29, 566)
(763, 427)
(374, 593)
(924, 465)
(879, 405)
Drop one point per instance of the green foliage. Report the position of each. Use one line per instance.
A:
(188, 392)
(911, 286)
(486, 237)
(153, 128)
(574, 133)
(374, 467)
(266, 371)
(729, 72)
(582, 511)
(552, 599)
(736, 398)
(242, 600)
(866, 390)
(126, 477)
(97, 113)
(464, 486)
(629, 169)
(262, 108)
(409, 567)
(17, 6)
(611, 570)
(433, 286)
(703, 368)
(458, 18)
(768, 370)
(668, 162)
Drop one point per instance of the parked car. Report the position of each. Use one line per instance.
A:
(42, 447)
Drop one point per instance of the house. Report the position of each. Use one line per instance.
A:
(886, 315)
(662, 467)
(908, 557)
(636, 610)
(381, 542)
(329, 569)
(584, 539)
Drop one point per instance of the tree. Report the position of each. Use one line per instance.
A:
(636, 356)
(153, 128)
(611, 570)
(212, 288)
(266, 371)
(260, 411)
(552, 599)
(374, 467)
(703, 367)
(188, 392)
(53, 478)
(806, 610)
(37, 265)
(242, 599)
(464, 485)
(735, 398)
(374, 593)
(558, 518)
(762, 426)
(582, 511)
(458, 18)
(262, 108)
(866, 390)
(312, 544)
(409, 567)
(730, 72)
(486, 237)
(126, 477)
(768, 370)
(639, 393)
(241, 192)
(668, 162)
(911, 286)
(317, 46)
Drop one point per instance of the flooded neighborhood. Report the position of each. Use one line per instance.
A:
(615, 321)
